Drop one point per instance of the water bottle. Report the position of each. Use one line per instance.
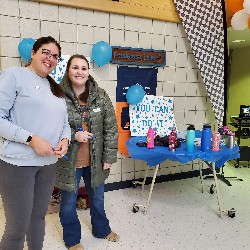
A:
(190, 139)
(150, 138)
(222, 137)
(226, 129)
(221, 131)
(206, 136)
(231, 139)
(172, 139)
(216, 141)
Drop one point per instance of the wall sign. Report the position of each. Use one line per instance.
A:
(153, 111)
(126, 77)
(138, 56)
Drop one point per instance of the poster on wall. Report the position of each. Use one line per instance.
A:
(127, 77)
(153, 111)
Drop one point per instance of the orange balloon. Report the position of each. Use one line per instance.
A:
(234, 5)
(248, 23)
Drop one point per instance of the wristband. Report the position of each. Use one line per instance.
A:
(29, 139)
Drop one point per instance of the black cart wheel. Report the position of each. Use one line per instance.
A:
(212, 189)
(134, 184)
(236, 165)
(135, 208)
(231, 213)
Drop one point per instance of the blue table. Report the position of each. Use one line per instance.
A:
(159, 154)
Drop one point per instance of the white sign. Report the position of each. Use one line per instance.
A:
(153, 111)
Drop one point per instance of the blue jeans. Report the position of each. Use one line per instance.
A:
(68, 214)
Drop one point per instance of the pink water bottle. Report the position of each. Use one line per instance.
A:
(150, 138)
(216, 141)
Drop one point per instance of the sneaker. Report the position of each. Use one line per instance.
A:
(77, 247)
(112, 237)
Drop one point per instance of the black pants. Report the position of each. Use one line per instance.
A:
(26, 193)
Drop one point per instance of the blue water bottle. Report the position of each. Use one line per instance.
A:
(190, 139)
(206, 138)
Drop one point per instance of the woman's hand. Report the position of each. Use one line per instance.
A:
(41, 147)
(61, 148)
(106, 165)
(83, 136)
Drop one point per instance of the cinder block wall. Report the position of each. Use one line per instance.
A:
(78, 29)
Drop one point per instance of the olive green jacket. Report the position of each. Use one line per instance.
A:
(103, 125)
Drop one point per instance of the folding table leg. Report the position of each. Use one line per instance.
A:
(146, 204)
(217, 189)
(151, 188)
(201, 176)
(144, 180)
(135, 183)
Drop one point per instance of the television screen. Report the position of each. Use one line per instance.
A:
(244, 110)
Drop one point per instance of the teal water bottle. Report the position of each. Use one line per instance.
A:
(190, 139)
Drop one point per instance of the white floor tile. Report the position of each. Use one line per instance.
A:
(179, 217)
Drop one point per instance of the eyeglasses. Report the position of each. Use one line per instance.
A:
(48, 55)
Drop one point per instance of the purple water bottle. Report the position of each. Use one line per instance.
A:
(172, 140)
(206, 138)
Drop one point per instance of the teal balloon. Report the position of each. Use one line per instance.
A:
(25, 47)
(135, 94)
(101, 53)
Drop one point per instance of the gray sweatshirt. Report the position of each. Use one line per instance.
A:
(27, 106)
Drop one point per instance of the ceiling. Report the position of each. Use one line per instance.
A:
(233, 35)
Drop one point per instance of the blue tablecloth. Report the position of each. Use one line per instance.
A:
(159, 154)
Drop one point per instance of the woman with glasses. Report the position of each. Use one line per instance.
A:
(34, 133)
(91, 153)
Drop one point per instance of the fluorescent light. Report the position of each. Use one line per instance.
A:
(238, 41)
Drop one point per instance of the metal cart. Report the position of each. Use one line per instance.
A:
(242, 124)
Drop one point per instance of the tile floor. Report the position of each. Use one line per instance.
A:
(179, 217)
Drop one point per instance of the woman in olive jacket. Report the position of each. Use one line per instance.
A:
(91, 153)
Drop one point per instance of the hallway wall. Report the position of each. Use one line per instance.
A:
(78, 29)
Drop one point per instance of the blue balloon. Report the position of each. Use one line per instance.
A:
(25, 47)
(135, 94)
(101, 53)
